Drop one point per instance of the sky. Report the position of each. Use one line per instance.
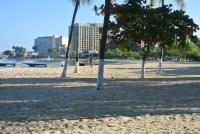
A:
(21, 21)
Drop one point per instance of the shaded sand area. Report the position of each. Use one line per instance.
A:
(37, 101)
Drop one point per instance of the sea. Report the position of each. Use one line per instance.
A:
(59, 62)
(22, 62)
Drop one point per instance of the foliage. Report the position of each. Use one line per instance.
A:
(19, 51)
(148, 26)
(193, 52)
(190, 52)
(85, 54)
(56, 52)
(53, 52)
(9, 53)
(72, 55)
(118, 53)
(196, 41)
(34, 48)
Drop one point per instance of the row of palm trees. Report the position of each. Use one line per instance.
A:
(107, 12)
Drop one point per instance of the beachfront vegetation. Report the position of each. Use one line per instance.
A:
(56, 52)
(121, 54)
(19, 52)
(191, 52)
(9, 53)
(151, 27)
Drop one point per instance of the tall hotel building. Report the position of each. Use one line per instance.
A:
(86, 37)
(43, 44)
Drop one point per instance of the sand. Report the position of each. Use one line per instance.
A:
(37, 101)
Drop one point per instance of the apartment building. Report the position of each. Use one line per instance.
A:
(86, 37)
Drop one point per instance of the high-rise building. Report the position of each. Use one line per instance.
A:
(86, 37)
(43, 44)
(61, 41)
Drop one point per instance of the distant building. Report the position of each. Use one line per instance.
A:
(3, 56)
(43, 44)
(31, 54)
(86, 37)
(61, 41)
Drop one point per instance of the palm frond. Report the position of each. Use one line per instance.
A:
(152, 2)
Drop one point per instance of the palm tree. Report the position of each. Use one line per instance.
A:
(77, 4)
(76, 70)
(100, 80)
(181, 3)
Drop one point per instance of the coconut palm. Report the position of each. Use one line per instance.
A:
(181, 3)
(77, 4)
(100, 80)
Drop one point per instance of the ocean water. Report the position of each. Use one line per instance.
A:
(60, 62)
(22, 62)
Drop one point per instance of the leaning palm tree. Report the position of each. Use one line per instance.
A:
(77, 4)
(107, 12)
(181, 3)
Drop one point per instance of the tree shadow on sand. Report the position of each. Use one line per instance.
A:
(48, 98)
(167, 70)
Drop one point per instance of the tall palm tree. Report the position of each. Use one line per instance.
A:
(100, 80)
(181, 3)
(77, 4)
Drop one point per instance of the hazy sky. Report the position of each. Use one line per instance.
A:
(21, 21)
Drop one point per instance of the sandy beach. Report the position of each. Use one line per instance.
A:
(38, 101)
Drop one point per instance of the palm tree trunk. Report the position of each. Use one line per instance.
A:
(77, 60)
(145, 55)
(100, 80)
(163, 2)
(160, 58)
(146, 51)
(64, 73)
(143, 69)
